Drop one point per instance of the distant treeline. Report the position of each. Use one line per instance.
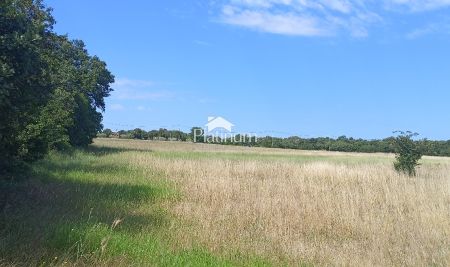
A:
(348, 144)
(342, 144)
(161, 134)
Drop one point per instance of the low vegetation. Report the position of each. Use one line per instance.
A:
(124, 202)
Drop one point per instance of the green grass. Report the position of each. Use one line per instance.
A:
(65, 213)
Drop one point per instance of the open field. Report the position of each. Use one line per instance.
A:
(127, 202)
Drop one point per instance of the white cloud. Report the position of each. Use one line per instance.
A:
(138, 90)
(123, 82)
(341, 6)
(202, 43)
(420, 32)
(434, 28)
(300, 17)
(117, 107)
(419, 5)
(134, 94)
(320, 17)
(288, 24)
(143, 108)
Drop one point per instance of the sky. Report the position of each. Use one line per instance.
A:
(271, 67)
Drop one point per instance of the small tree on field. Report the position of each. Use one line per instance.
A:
(107, 132)
(408, 153)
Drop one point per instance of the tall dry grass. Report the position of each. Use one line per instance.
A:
(320, 211)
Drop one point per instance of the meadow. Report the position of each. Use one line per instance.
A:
(128, 202)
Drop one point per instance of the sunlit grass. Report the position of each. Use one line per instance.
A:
(125, 202)
(91, 207)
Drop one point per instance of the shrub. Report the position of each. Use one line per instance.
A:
(408, 153)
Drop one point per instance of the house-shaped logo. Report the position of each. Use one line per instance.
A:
(217, 123)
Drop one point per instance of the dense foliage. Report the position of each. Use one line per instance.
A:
(343, 143)
(408, 153)
(51, 90)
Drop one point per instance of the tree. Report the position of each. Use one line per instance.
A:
(152, 134)
(138, 133)
(51, 90)
(107, 132)
(408, 153)
(24, 88)
(88, 81)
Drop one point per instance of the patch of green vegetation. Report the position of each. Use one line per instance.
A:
(90, 207)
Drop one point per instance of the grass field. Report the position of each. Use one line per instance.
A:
(125, 202)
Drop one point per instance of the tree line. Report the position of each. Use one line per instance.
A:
(341, 144)
(51, 90)
(348, 144)
(160, 134)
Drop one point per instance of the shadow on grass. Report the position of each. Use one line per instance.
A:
(69, 206)
(99, 150)
(84, 208)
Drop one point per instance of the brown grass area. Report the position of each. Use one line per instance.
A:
(318, 211)
(174, 146)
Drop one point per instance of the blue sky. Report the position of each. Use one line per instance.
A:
(279, 67)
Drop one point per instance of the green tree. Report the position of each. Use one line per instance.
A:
(107, 132)
(408, 153)
(51, 90)
(88, 81)
(138, 133)
(24, 88)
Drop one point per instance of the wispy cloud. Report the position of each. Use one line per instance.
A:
(288, 24)
(202, 43)
(302, 17)
(432, 28)
(134, 94)
(418, 5)
(141, 108)
(139, 90)
(124, 82)
(319, 17)
(117, 107)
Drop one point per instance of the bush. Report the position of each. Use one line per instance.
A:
(408, 153)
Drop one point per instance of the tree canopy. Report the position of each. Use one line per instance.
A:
(51, 90)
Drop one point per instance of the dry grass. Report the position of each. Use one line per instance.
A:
(173, 146)
(323, 210)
